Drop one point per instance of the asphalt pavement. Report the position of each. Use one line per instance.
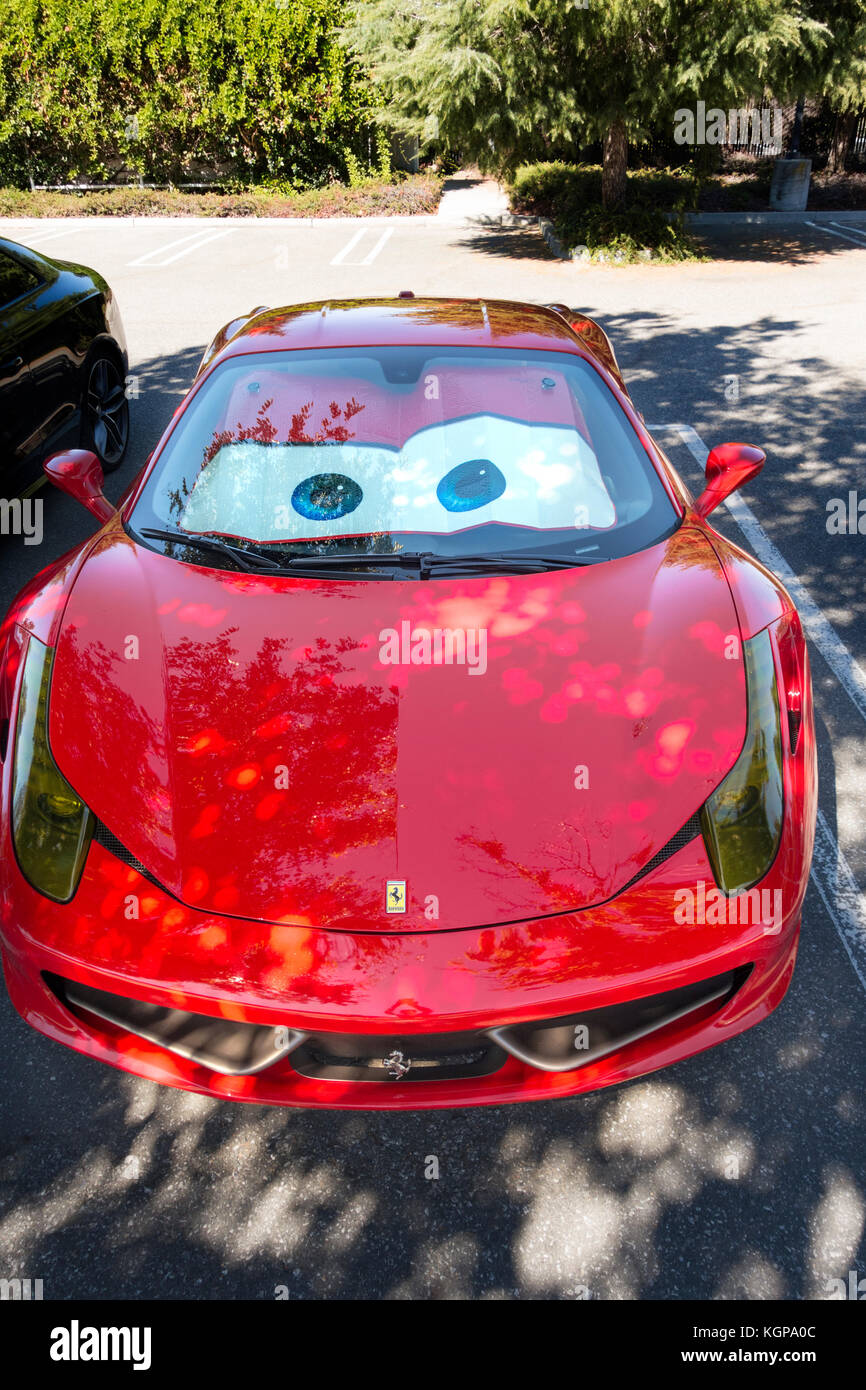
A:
(738, 1173)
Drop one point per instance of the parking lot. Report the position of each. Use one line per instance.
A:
(739, 1173)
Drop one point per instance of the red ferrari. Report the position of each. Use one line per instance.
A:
(407, 737)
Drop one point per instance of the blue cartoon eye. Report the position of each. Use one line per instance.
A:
(470, 485)
(326, 496)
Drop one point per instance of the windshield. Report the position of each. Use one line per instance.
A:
(448, 451)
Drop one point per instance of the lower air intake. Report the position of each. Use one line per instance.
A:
(224, 1045)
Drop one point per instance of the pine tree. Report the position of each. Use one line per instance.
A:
(504, 81)
(837, 71)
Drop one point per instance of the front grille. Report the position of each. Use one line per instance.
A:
(224, 1045)
(367, 1057)
(234, 1048)
(565, 1044)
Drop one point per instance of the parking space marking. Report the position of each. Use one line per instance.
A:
(822, 227)
(192, 242)
(39, 237)
(350, 246)
(841, 895)
(368, 260)
(853, 231)
(831, 871)
(340, 258)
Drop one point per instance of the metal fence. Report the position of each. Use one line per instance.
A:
(756, 130)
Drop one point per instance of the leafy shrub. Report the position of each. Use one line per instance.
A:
(636, 234)
(570, 195)
(413, 193)
(169, 89)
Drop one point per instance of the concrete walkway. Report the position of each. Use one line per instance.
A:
(469, 197)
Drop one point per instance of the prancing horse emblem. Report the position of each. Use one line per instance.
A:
(395, 895)
(396, 1065)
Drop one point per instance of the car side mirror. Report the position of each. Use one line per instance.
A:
(729, 466)
(79, 473)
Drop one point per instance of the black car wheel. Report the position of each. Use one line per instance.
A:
(106, 412)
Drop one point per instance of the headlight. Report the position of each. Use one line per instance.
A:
(51, 826)
(742, 820)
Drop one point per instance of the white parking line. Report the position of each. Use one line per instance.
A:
(841, 894)
(822, 227)
(192, 242)
(368, 260)
(39, 238)
(159, 250)
(830, 869)
(853, 231)
(350, 246)
(340, 258)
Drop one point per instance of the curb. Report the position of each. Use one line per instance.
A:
(100, 220)
(545, 226)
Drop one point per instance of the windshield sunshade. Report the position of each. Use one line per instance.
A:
(445, 477)
(306, 447)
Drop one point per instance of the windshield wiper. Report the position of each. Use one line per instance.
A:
(503, 560)
(247, 559)
(426, 562)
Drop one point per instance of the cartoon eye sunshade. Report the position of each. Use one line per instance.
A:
(446, 476)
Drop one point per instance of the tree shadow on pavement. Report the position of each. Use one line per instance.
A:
(730, 245)
(457, 183)
(513, 243)
(782, 246)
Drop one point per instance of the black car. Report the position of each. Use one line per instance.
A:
(63, 365)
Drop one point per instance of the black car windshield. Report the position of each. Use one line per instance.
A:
(445, 451)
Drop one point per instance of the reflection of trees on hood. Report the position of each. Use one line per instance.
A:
(333, 734)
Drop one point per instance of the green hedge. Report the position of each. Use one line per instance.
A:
(170, 89)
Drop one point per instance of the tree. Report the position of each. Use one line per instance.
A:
(504, 81)
(837, 71)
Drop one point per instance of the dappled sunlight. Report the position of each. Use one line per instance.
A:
(799, 1052)
(551, 1251)
(583, 1229)
(620, 1194)
(836, 1228)
(752, 1276)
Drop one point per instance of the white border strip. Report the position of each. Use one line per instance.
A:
(397, 219)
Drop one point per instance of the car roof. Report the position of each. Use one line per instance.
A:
(402, 322)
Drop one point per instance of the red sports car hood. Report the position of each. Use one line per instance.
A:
(282, 749)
